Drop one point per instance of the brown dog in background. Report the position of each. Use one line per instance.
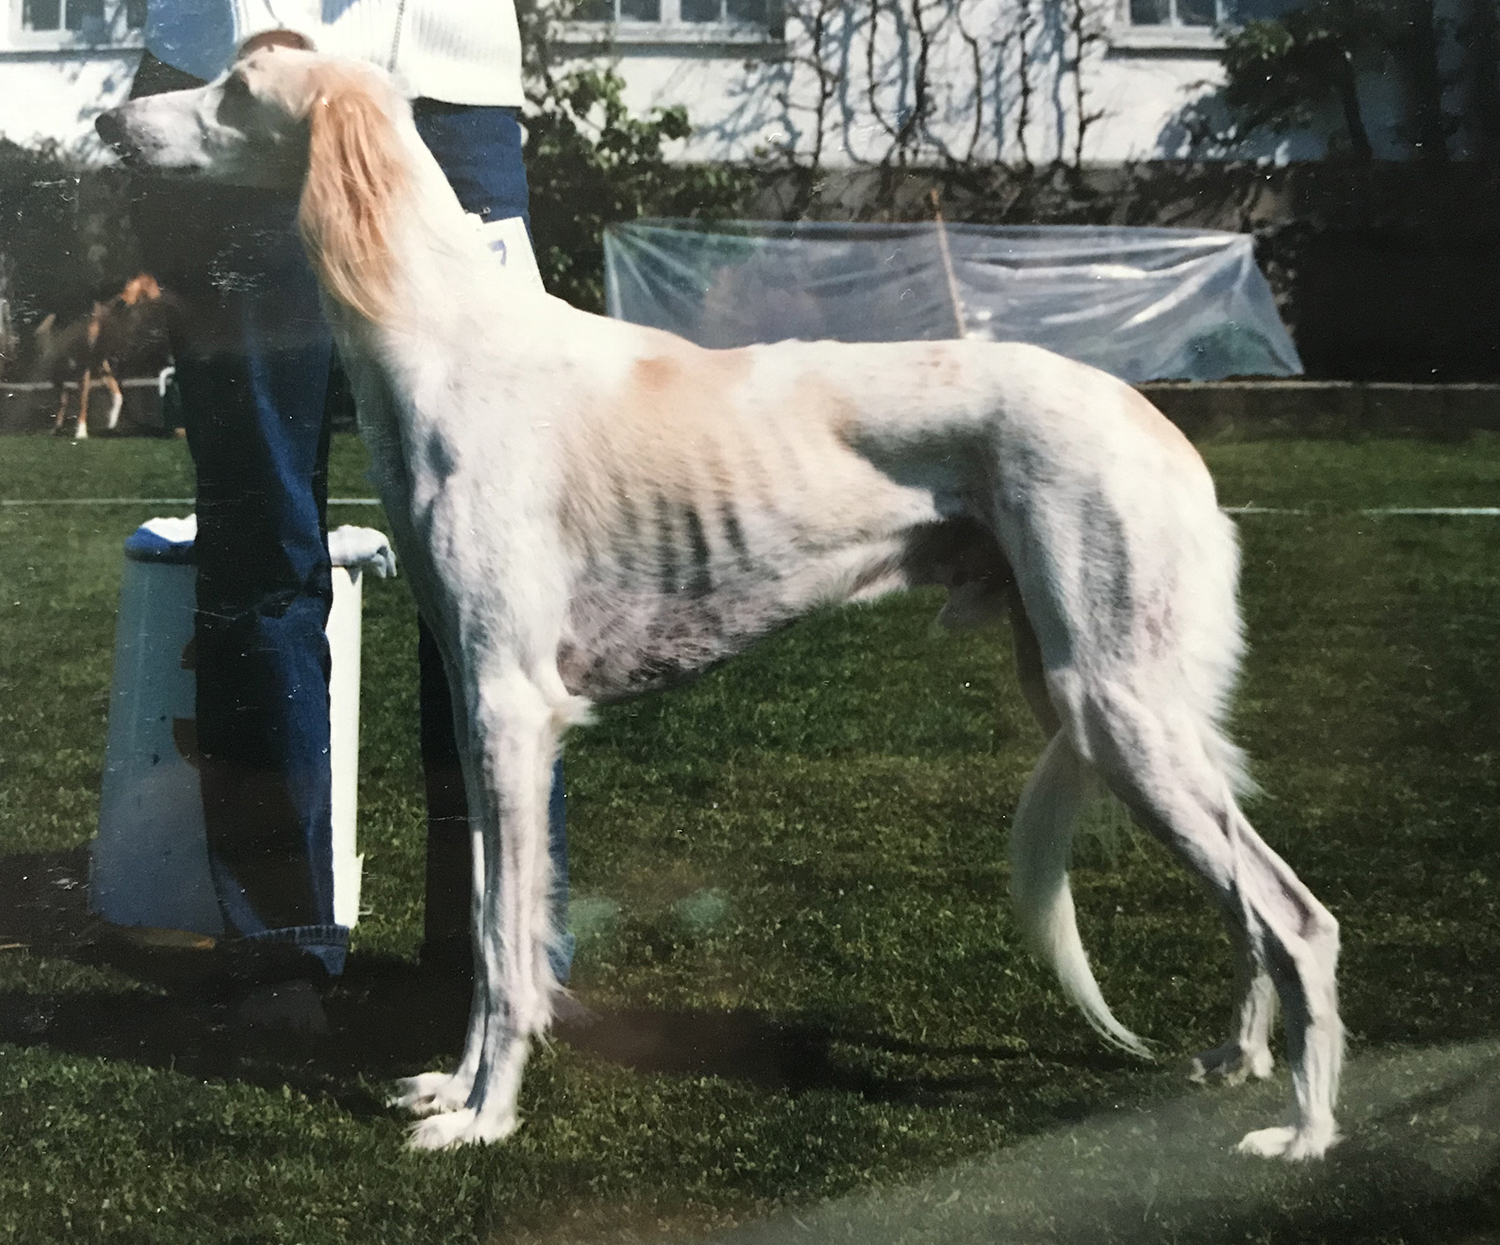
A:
(95, 345)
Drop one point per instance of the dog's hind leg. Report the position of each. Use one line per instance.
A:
(1247, 1053)
(81, 430)
(510, 747)
(1297, 943)
(1030, 670)
(1159, 758)
(116, 396)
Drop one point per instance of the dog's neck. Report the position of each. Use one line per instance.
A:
(394, 250)
(447, 302)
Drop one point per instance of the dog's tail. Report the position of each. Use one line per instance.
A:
(1040, 843)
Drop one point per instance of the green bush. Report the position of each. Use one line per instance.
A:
(591, 162)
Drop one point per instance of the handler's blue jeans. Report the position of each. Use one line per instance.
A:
(253, 366)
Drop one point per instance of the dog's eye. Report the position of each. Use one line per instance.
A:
(236, 103)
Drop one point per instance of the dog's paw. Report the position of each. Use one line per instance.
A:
(1230, 1064)
(464, 1127)
(1290, 1143)
(429, 1093)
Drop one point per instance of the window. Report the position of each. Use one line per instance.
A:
(1176, 12)
(1205, 12)
(673, 12)
(674, 21)
(1191, 24)
(82, 21)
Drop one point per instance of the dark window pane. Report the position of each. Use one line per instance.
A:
(640, 10)
(1197, 12)
(41, 14)
(1149, 12)
(700, 11)
(593, 11)
(748, 11)
(81, 11)
(1252, 10)
(135, 14)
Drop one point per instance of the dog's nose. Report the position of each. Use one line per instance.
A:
(111, 129)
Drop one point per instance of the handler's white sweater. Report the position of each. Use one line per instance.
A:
(459, 51)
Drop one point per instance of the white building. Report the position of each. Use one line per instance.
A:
(835, 81)
(841, 81)
(61, 63)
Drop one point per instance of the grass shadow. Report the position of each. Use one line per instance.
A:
(104, 995)
(747, 1046)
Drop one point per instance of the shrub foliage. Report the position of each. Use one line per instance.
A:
(592, 162)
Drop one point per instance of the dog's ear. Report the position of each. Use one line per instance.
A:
(354, 172)
(143, 286)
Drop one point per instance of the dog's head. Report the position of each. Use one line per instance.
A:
(248, 127)
(284, 117)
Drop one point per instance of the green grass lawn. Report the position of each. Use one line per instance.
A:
(814, 1020)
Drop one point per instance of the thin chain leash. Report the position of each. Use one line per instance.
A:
(396, 35)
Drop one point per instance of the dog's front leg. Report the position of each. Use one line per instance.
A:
(510, 743)
(433, 1093)
(62, 409)
(81, 431)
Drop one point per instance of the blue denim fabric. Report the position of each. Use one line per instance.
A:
(259, 440)
(480, 152)
(253, 387)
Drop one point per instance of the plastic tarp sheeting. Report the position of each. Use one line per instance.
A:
(1144, 304)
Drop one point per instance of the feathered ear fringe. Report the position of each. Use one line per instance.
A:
(354, 172)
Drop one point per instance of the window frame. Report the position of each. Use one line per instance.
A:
(670, 30)
(1128, 36)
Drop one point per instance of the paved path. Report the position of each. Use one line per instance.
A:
(1420, 1163)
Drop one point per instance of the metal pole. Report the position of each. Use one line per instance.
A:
(942, 235)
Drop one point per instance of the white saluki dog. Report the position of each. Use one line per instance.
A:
(589, 509)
